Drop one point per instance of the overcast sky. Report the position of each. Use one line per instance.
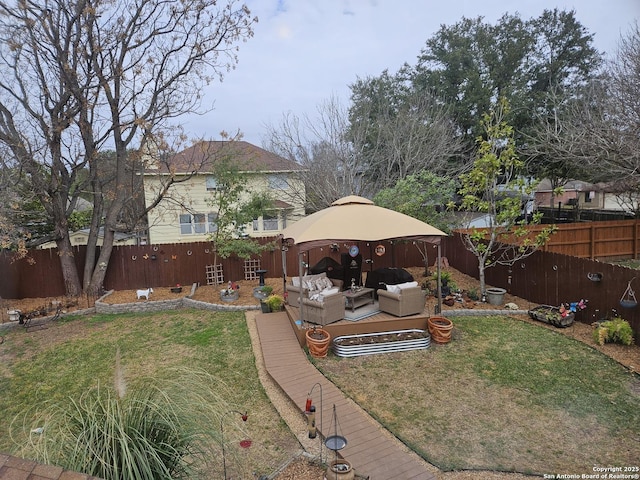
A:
(306, 51)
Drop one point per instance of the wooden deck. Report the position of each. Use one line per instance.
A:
(371, 451)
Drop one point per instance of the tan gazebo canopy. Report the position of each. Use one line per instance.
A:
(355, 218)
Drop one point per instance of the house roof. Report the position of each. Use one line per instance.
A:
(201, 157)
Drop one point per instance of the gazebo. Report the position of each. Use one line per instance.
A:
(354, 218)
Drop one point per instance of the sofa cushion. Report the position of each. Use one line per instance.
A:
(401, 286)
(405, 285)
(295, 281)
(320, 296)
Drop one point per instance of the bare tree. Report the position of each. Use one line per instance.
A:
(368, 147)
(332, 169)
(87, 75)
(596, 133)
(399, 130)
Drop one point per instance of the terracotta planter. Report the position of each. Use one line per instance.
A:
(318, 341)
(440, 329)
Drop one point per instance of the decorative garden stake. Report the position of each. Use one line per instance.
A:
(244, 417)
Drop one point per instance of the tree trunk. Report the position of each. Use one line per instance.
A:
(94, 288)
(68, 266)
(481, 278)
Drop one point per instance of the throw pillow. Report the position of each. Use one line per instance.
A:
(393, 288)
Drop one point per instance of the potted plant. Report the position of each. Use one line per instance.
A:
(264, 306)
(262, 292)
(318, 341)
(275, 302)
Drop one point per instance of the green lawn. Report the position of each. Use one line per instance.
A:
(63, 361)
(504, 395)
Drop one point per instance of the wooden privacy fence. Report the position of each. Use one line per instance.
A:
(133, 267)
(553, 278)
(596, 240)
(546, 277)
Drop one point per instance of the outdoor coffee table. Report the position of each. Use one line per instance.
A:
(358, 298)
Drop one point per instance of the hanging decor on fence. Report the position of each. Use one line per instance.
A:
(628, 299)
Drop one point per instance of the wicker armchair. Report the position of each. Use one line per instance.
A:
(330, 310)
(408, 301)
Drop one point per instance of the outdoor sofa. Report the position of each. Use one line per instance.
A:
(311, 284)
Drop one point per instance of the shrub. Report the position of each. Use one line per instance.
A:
(275, 302)
(616, 330)
(266, 289)
(446, 279)
(473, 294)
(152, 431)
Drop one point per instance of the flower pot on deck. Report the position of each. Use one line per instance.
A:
(318, 341)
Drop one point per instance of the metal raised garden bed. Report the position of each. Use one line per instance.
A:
(381, 342)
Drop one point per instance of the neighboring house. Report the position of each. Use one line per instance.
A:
(186, 214)
(80, 237)
(586, 196)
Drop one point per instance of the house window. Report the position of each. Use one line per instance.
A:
(198, 223)
(213, 222)
(211, 184)
(270, 222)
(185, 224)
(278, 182)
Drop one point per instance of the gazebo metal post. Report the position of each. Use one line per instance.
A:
(300, 293)
(439, 285)
(283, 251)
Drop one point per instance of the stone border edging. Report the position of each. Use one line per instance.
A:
(473, 313)
(162, 305)
(148, 306)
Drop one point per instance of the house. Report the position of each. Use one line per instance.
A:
(613, 197)
(186, 214)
